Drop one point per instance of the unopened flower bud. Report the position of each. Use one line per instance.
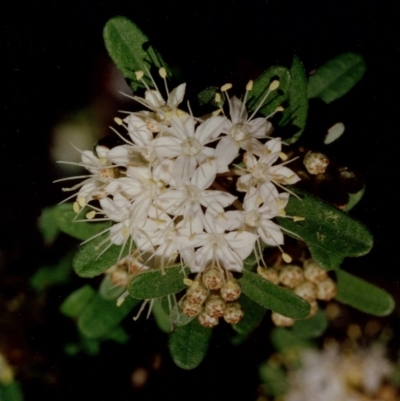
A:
(269, 274)
(233, 313)
(291, 276)
(197, 293)
(215, 306)
(190, 309)
(313, 308)
(326, 289)
(315, 162)
(281, 321)
(207, 321)
(314, 273)
(213, 278)
(230, 291)
(306, 290)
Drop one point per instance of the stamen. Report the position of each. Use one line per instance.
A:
(163, 72)
(90, 215)
(139, 75)
(274, 85)
(287, 258)
(298, 218)
(118, 121)
(76, 207)
(249, 86)
(81, 201)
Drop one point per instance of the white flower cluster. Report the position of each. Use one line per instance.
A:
(167, 188)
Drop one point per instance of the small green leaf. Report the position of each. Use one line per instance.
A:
(296, 113)
(283, 340)
(271, 296)
(88, 264)
(48, 225)
(77, 301)
(335, 78)
(158, 283)
(131, 50)
(188, 344)
(162, 316)
(330, 234)
(362, 295)
(354, 199)
(100, 316)
(311, 327)
(109, 290)
(65, 218)
(253, 314)
(274, 378)
(119, 335)
(260, 89)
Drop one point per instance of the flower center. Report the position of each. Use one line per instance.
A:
(252, 219)
(147, 153)
(193, 193)
(240, 131)
(261, 172)
(191, 147)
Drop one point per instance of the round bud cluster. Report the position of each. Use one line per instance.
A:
(310, 282)
(211, 296)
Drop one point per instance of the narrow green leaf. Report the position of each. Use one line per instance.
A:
(188, 344)
(283, 340)
(330, 234)
(274, 378)
(131, 50)
(100, 316)
(253, 314)
(354, 199)
(109, 290)
(335, 78)
(296, 113)
(77, 301)
(162, 316)
(88, 264)
(312, 327)
(260, 89)
(362, 295)
(65, 218)
(271, 296)
(157, 284)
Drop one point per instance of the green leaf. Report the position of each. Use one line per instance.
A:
(109, 290)
(296, 113)
(48, 225)
(311, 327)
(274, 378)
(207, 96)
(52, 275)
(283, 340)
(158, 283)
(131, 50)
(260, 89)
(162, 316)
(335, 78)
(65, 218)
(330, 234)
(354, 199)
(100, 316)
(11, 392)
(188, 344)
(77, 301)
(119, 335)
(363, 296)
(88, 264)
(253, 314)
(271, 296)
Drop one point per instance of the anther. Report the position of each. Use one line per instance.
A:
(274, 85)
(139, 75)
(217, 98)
(287, 258)
(81, 201)
(226, 87)
(249, 85)
(76, 207)
(163, 72)
(90, 215)
(118, 121)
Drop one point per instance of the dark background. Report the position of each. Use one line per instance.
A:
(52, 63)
